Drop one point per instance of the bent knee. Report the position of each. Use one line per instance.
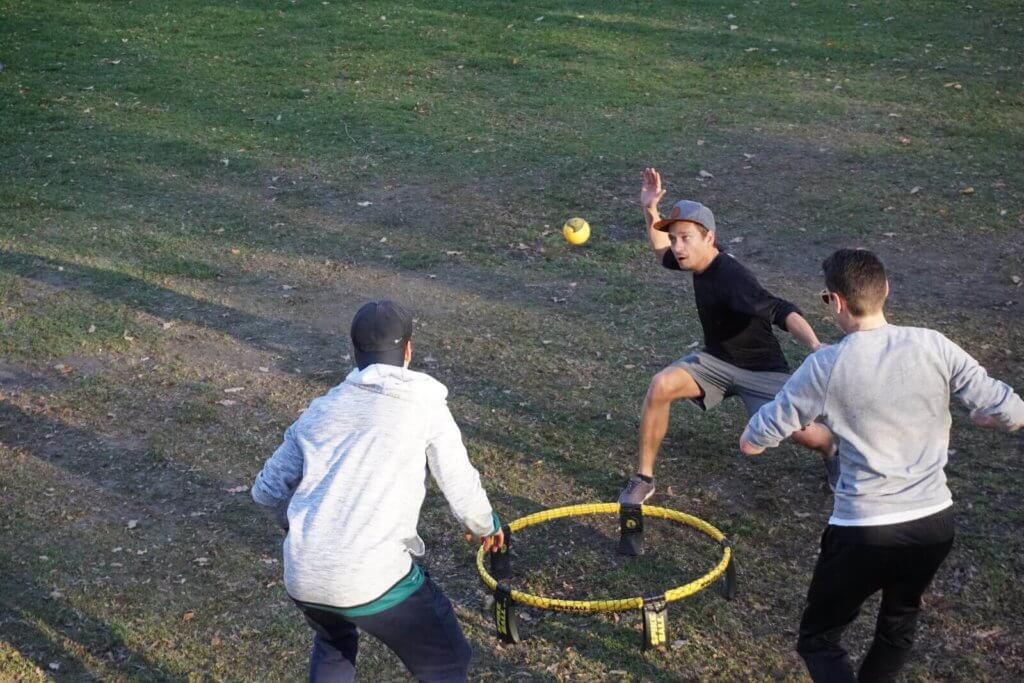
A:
(661, 387)
(672, 384)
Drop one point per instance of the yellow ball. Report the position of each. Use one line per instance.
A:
(576, 231)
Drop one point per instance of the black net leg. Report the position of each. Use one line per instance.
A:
(631, 530)
(728, 587)
(655, 612)
(505, 620)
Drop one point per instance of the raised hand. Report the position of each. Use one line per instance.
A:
(651, 193)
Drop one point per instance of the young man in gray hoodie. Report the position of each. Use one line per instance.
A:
(347, 485)
(884, 392)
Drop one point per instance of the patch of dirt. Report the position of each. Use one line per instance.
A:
(933, 260)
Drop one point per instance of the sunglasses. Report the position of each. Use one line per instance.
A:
(826, 296)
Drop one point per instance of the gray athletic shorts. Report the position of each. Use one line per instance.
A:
(720, 380)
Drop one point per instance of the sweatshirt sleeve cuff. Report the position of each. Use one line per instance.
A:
(755, 438)
(262, 498)
(784, 311)
(497, 522)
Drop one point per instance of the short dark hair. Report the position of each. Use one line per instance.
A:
(859, 276)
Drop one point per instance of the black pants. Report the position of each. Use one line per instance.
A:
(422, 630)
(856, 562)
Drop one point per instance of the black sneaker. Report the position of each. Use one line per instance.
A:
(636, 491)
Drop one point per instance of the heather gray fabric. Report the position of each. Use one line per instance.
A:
(351, 473)
(884, 393)
(687, 210)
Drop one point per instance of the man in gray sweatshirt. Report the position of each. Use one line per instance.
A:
(347, 485)
(884, 392)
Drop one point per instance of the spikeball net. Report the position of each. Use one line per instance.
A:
(631, 527)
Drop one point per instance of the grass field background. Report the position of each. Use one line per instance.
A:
(197, 196)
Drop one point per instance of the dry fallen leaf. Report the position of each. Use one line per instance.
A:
(132, 523)
(188, 616)
(227, 402)
(967, 190)
(237, 489)
(915, 189)
(234, 390)
(703, 175)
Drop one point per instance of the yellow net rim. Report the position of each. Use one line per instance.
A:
(672, 595)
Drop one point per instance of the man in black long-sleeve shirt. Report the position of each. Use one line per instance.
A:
(741, 355)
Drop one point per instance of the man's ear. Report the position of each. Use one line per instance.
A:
(887, 288)
(407, 352)
(838, 303)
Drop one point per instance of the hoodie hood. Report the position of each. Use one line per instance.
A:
(397, 382)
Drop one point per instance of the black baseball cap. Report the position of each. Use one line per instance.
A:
(379, 332)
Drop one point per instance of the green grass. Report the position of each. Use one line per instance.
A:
(184, 211)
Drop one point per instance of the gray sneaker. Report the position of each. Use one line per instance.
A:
(636, 491)
(832, 471)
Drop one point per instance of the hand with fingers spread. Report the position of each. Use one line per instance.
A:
(492, 543)
(651, 193)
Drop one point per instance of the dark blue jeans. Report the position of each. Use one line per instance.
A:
(422, 630)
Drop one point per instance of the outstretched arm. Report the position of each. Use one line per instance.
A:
(802, 331)
(748, 296)
(801, 400)
(650, 194)
(993, 404)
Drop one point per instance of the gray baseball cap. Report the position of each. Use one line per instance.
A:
(686, 210)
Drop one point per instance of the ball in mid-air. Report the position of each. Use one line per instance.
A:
(576, 231)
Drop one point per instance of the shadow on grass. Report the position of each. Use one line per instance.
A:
(284, 338)
(47, 631)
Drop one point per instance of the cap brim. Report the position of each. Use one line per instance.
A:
(662, 225)
(390, 357)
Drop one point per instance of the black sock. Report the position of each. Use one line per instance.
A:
(645, 478)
